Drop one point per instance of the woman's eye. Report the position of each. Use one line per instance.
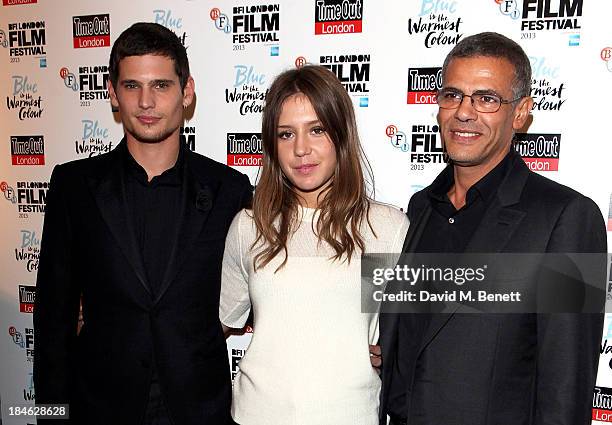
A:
(318, 130)
(284, 135)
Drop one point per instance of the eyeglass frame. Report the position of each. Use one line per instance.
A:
(502, 101)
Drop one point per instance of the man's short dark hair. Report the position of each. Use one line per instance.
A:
(147, 38)
(492, 44)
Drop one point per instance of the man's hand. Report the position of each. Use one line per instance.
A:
(376, 357)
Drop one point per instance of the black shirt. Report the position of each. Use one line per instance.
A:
(154, 208)
(447, 230)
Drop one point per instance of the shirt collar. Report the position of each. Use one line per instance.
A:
(172, 176)
(485, 188)
(488, 185)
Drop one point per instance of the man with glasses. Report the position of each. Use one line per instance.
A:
(476, 369)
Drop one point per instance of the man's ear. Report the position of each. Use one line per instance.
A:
(112, 95)
(188, 92)
(521, 112)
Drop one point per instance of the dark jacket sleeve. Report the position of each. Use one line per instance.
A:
(568, 343)
(57, 298)
(246, 198)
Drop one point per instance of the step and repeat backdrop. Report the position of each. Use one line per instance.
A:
(388, 54)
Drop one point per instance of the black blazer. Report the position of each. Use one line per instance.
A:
(89, 248)
(473, 369)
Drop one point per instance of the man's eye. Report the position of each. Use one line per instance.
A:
(485, 98)
(130, 85)
(451, 95)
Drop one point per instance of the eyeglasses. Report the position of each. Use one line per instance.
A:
(482, 101)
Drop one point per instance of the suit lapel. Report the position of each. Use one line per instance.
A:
(497, 227)
(196, 203)
(502, 218)
(110, 196)
(436, 322)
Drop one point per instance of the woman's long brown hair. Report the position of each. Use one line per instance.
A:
(344, 204)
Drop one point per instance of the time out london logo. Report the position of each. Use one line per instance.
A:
(91, 31)
(338, 16)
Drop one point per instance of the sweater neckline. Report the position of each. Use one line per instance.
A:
(307, 214)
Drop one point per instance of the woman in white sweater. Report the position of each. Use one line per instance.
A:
(295, 260)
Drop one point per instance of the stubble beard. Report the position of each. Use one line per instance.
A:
(149, 138)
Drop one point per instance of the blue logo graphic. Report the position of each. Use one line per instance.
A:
(574, 40)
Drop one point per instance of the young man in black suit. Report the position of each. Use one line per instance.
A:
(492, 369)
(138, 235)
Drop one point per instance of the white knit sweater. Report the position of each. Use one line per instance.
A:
(308, 361)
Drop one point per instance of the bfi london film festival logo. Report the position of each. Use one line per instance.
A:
(424, 145)
(548, 93)
(353, 71)
(437, 20)
(248, 90)
(30, 196)
(91, 31)
(244, 149)
(17, 2)
(28, 150)
(423, 85)
(24, 39)
(24, 340)
(171, 21)
(606, 56)
(539, 151)
(24, 98)
(91, 83)
(540, 16)
(338, 16)
(602, 404)
(187, 135)
(94, 140)
(27, 296)
(509, 8)
(250, 25)
(28, 250)
(237, 354)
